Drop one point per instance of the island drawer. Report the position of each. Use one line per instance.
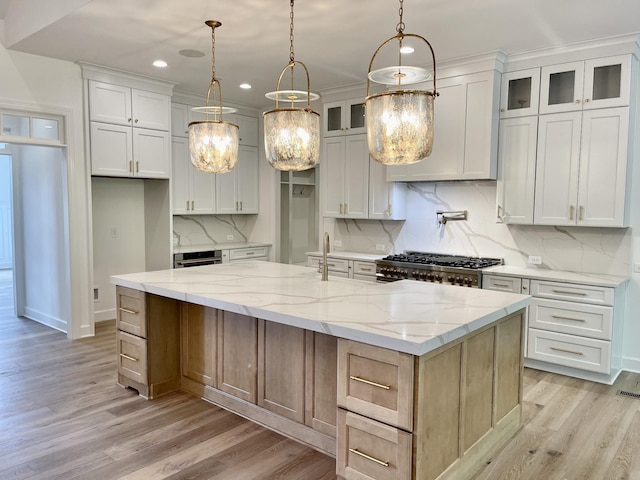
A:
(364, 268)
(570, 351)
(131, 308)
(572, 292)
(367, 449)
(503, 284)
(593, 321)
(376, 382)
(250, 253)
(132, 357)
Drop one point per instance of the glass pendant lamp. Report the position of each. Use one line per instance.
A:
(400, 121)
(213, 143)
(292, 134)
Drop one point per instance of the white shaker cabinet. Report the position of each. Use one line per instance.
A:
(387, 200)
(345, 175)
(193, 192)
(517, 160)
(520, 93)
(237, 191)
(181, 116)
(345, 117)
(582, 168)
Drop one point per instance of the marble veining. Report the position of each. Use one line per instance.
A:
(408, 316)
(211, 229)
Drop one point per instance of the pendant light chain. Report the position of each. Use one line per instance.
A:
(400, 25)
(291, 56)
(213, 54)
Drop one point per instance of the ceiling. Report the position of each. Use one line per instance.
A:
(334, 38)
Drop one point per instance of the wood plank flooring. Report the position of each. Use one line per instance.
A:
(62, 416)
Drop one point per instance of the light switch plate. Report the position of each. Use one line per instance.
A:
(380, 248)
(535, 260)
(636, 267)
(230, 237)
(337, 243)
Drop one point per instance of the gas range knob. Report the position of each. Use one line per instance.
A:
(430, 277)
(439, 278)
(459, 280)
(450, 278)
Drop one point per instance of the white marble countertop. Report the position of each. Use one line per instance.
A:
(217, 246)
(366, 257)
(595, 279)
(408, 316)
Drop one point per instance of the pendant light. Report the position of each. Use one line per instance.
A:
(213, 144)
(400, 121)
(292, 134)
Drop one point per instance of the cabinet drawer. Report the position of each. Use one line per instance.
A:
(572, 292)
(503, 284)
(364, 268)
(247, 253)
(593, 321)
(132, 357)
(376, 382)
(131, 308)
(367, 449)
(570, 351)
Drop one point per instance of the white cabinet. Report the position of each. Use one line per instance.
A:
(237, 191)
(345, 267)
(247, 128)
(581, 169)
(598, 83)
(520, 93)
(122, 105)
(193, 192)
(181, 116)
(465, 145)
(246, 254)
(346, 117)
(345, 176)
(517, 160)
(387, 200)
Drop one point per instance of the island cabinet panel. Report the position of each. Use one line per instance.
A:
(131, 316)
(321, 378)
(199, 346)
(281, 369)
(238, 355)
(508, 367)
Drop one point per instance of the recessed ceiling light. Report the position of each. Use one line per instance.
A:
(407, 49)
(160, 63)
(191, 53)
(245, 86)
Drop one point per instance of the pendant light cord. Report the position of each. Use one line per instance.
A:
(400, 25)
(291, 56)
(213, 54)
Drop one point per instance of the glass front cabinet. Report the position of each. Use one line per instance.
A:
(344, 118)
(519, 93)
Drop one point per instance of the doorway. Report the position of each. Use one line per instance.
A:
(7, 298)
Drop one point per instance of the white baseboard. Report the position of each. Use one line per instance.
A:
(631, 364)
(104, 315)
(45, 319)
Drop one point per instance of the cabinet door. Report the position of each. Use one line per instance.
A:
(248, 179)
(238, 355)
(151, 153)
(561, 87)
(199, 343)
(333, 176)
(180, 163)
(603, 168)
(607, 82)
(517, 159)
(520, 93)
(356, 173)
(109, 103)
(321, 381)
(111, 150)
(281, 369)
(227, 192)
(387, 200)
(248, 129)
(557, 169)
(179, 120)
(345, 117)
(203, 190)
(150, 110)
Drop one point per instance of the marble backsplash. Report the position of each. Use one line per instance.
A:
(578, 249)
(211, 229)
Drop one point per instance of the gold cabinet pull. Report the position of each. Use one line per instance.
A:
(341, 209)
(586, 100)
(369, 457)
(499, 212)
(567, 292)
(131, 166)
(566, 351)
(369, 382)
(128, 357)
(193, 205)
(580, 212)
(571, 211)
(126, 310)
(502, 285)
(240, 205)
(236, 206)
(346, 208)
(367, 269)
(187, 204)
(561, 317)
(137, 166)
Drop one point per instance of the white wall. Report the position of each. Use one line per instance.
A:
(34, 83)
(6, 236)
(39, 183)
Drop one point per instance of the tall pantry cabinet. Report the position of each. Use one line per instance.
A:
(564, 149)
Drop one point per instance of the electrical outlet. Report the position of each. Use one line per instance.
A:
(230, 237)
(636, 267)
(380, 248)
(114, 232)
(96, 295)
(535, 260)
(337, 243)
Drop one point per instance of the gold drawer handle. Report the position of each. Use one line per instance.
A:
(567, 292)
(126, 310)
(566, 351)
(502, 285)
(369, 382)
(365, 269)
(128, 357)
(560, 317)
(368, 457)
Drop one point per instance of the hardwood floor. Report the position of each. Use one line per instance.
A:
(62, 416)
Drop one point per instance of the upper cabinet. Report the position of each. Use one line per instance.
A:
(344, 118)
(465, 139)
(237, 191)
(599, 83)
(519, 93)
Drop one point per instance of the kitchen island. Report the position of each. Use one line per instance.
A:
(397, 380)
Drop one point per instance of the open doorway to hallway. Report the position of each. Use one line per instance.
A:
(7, 302)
